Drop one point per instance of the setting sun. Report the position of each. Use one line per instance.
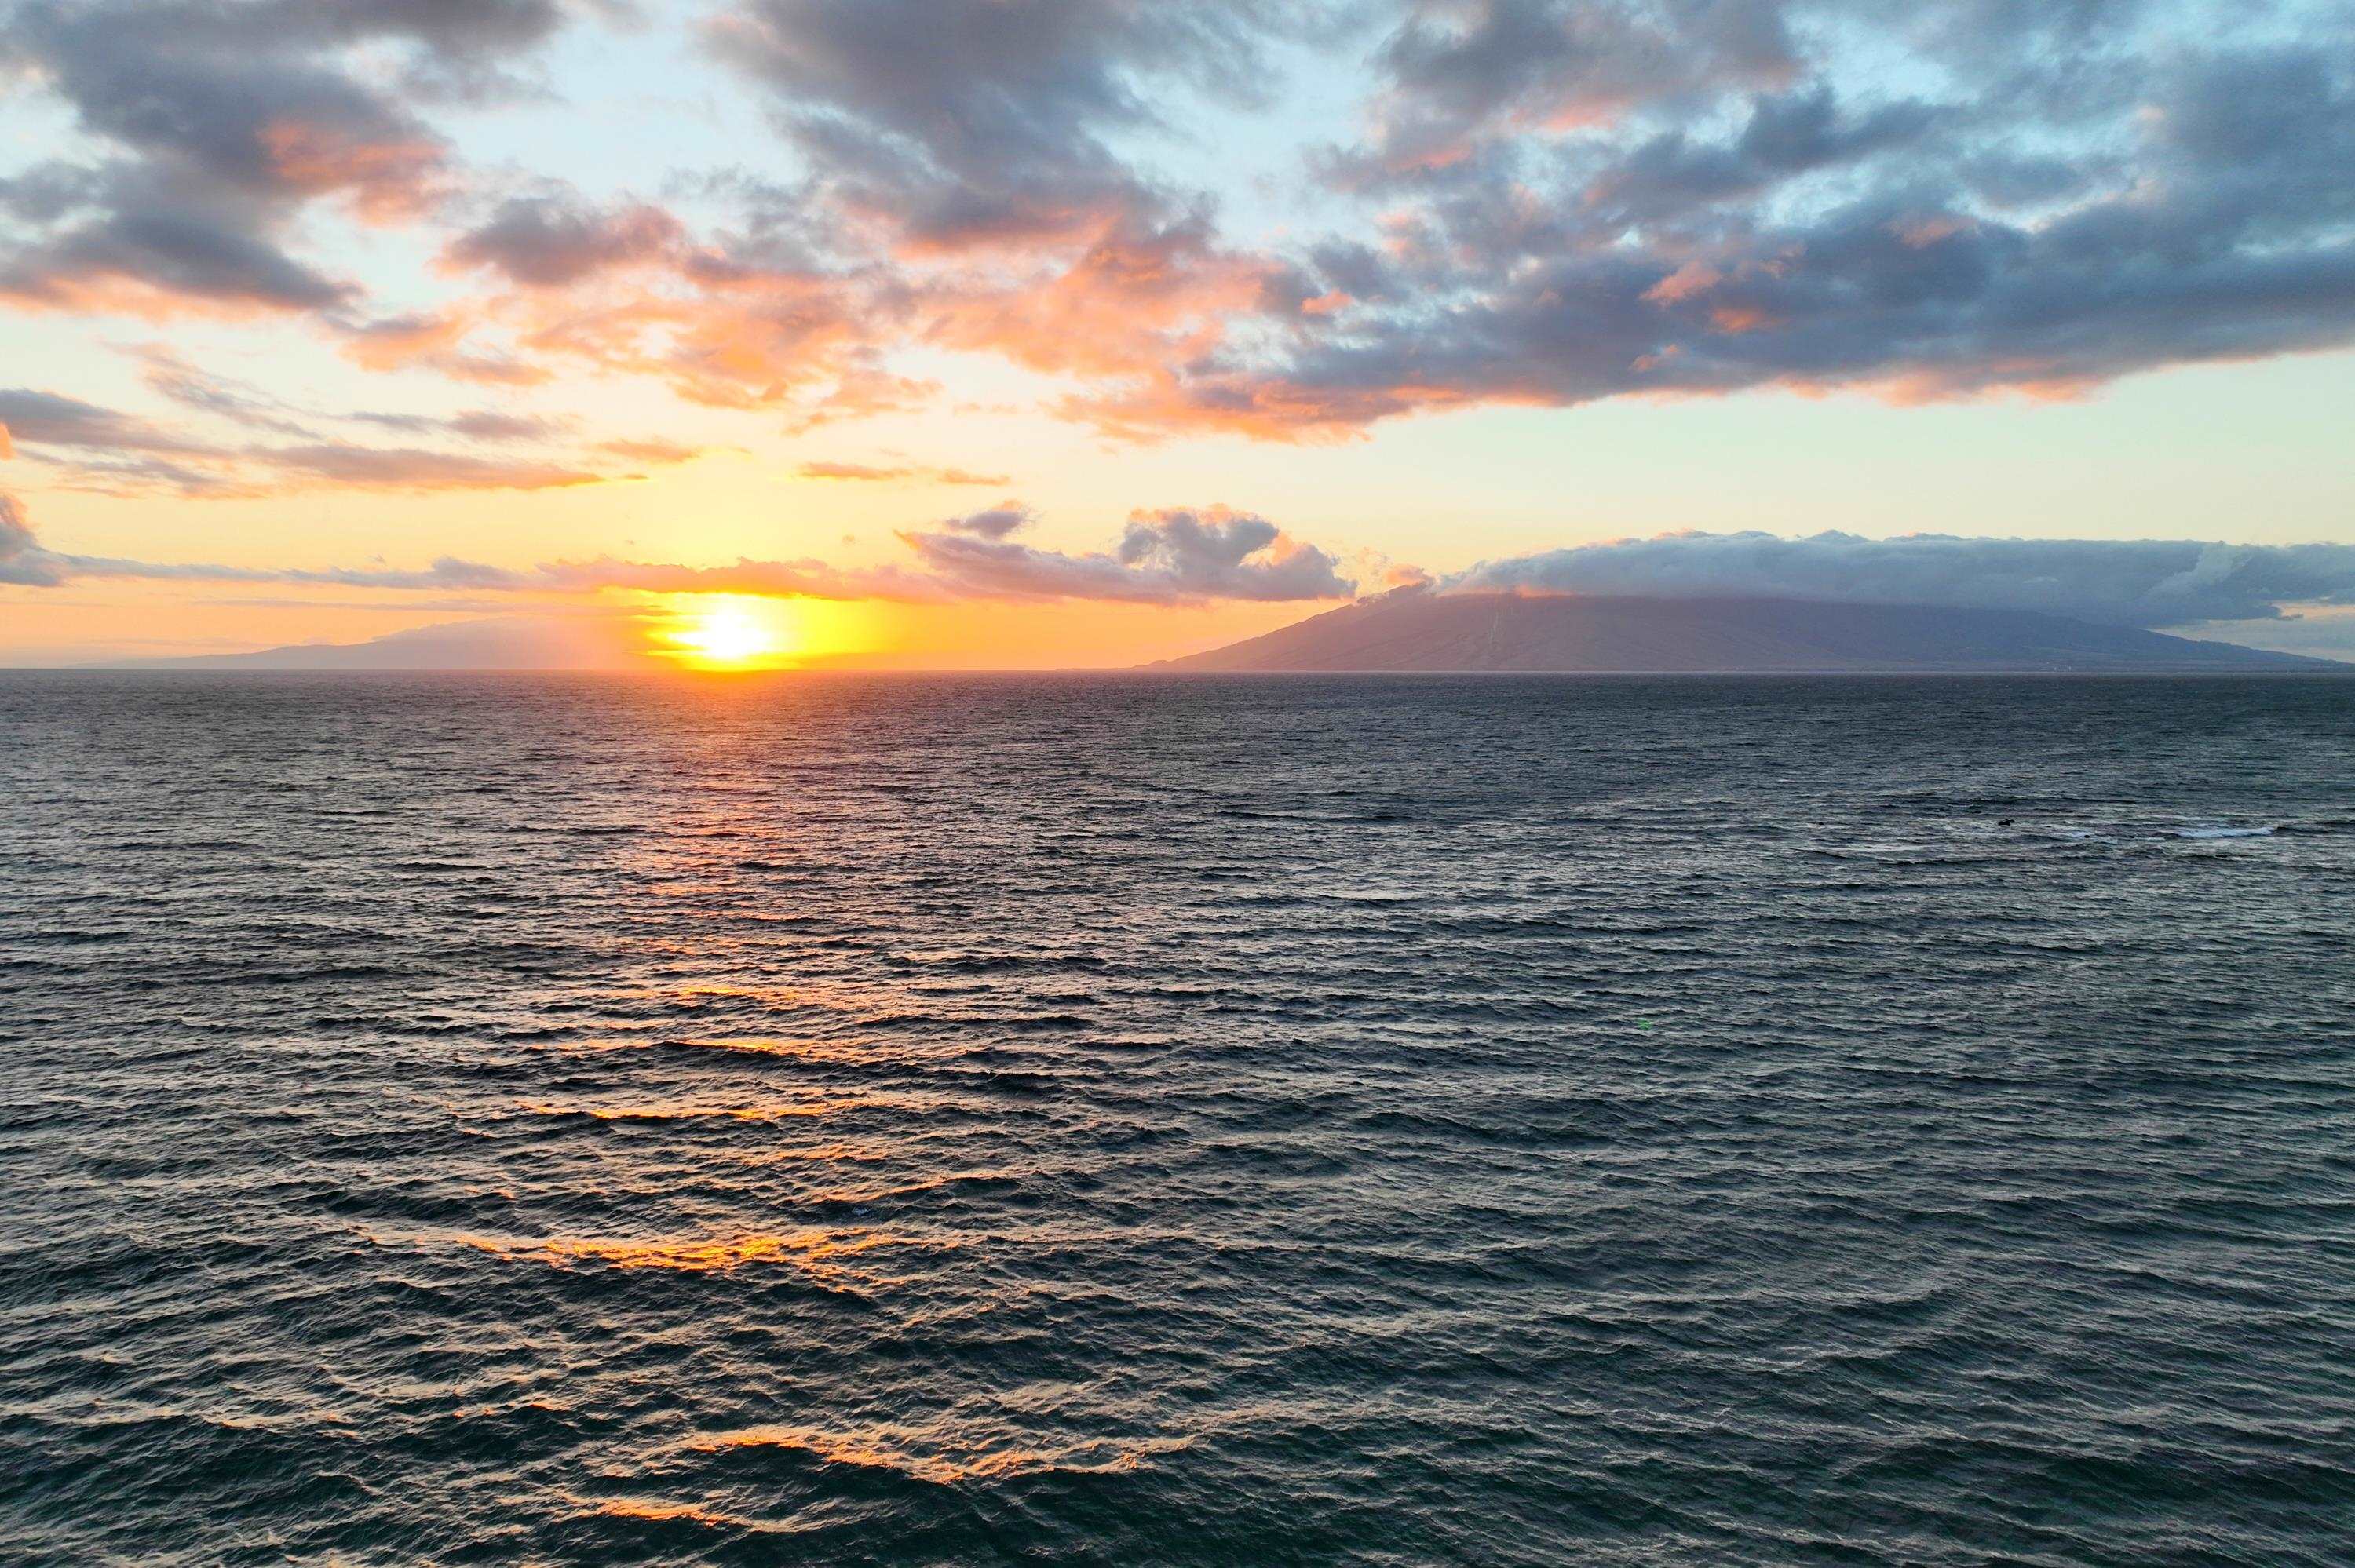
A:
(751, 631)
(726, 632)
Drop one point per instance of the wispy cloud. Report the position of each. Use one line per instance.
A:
(415, 468)
(473, 424)
(47, 419)
(170, 374)
(556, 239)
(900, 473)
(653, 449)
(107, 449)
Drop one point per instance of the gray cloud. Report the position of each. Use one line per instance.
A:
(1592, 200)
(144, 240)
(1458, 71)
(2125, 582)
(959, 124)
(222, 99)
(416, 468)
(47, 419)
(108, 452)
(474, 424)
(441, 27)
(996, 523)
(1172, 557)
(222, 119)
(119, 453)
(555, 238)
(23, 562)
(137, 477)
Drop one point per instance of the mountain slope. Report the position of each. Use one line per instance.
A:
(509, 643)
(1420, 630)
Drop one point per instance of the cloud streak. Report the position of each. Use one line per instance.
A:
(106, 449)
(899, 472)
(47, 419)
(417, 467)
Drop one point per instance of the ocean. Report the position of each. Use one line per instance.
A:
(1165, 1120)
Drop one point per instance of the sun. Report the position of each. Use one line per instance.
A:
(724, 633)
(728, 631)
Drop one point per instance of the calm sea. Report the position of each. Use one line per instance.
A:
(1134, 1120)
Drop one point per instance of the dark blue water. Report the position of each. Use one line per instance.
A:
(1128, 1120)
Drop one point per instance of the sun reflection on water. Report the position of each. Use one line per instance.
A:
(901, 1449)
(820, 1255)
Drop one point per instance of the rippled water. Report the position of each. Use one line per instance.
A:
(1130, 1121)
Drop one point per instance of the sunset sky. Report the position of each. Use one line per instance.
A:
(1041, 333)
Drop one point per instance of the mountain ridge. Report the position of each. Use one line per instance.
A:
(1422, 630)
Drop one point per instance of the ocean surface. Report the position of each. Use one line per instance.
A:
(1134, 1120)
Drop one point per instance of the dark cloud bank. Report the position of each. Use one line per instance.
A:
(1586, 200)
(221, 119)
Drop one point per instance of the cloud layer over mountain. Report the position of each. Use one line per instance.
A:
(2120, 582)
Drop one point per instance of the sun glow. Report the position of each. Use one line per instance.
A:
(726, 634)
(748, 631)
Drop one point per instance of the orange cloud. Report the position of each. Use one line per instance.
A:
(435, 341)
(853, 471)
(1129, 300)
(388, 179)
(1692, 278)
